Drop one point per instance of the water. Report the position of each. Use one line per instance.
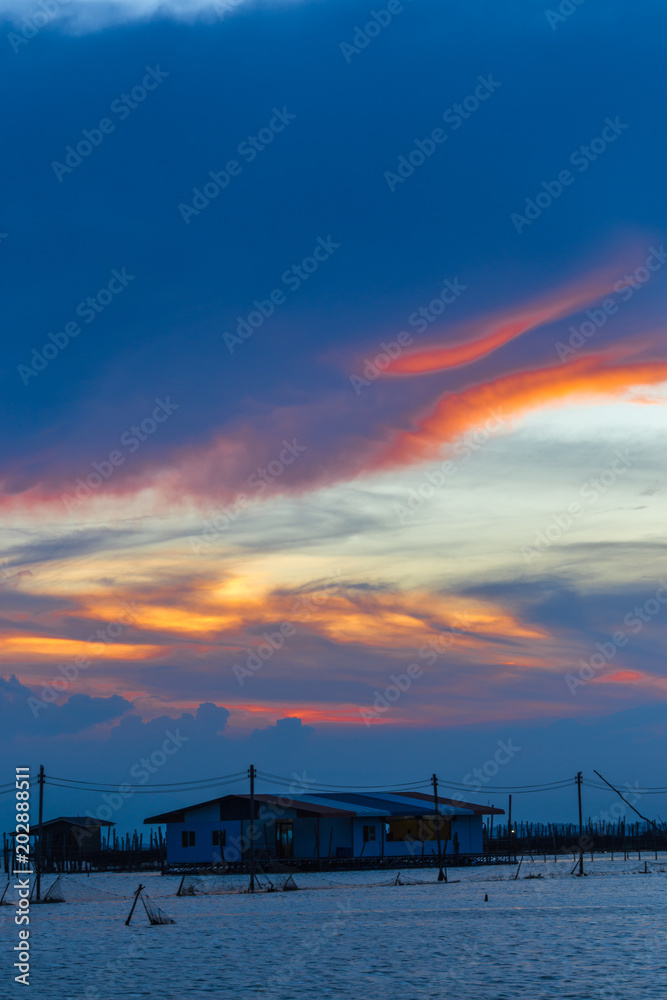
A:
(352, 937)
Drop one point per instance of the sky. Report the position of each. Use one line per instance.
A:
(334, 393)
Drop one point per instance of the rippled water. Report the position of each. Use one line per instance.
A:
(351, 936)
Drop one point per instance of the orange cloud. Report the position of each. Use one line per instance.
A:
(588, 379)
(210, 612)
(406, 619)
(636, 679)
(302, 448)
(494, 331)
(40, 647)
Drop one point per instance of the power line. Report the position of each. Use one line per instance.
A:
(205, 784)
(641, 816)
(406, 786)
(312, 786)
(325, 784)
(550, 786)
(171, 784)
(634, 789)
(140, 789)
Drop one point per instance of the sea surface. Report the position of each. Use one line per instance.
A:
(357, 936)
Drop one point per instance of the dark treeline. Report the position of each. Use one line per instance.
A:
(563, 838)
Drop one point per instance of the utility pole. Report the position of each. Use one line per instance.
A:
(579, 779)
(40, 841)
(434, 780)
(252, 827)
(509, 827)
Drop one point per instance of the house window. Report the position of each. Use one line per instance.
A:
(418, 828)
(187, 838)
(219, 838)
(369, 833)
(430, 826)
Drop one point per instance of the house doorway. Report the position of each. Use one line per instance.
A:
(284, 838)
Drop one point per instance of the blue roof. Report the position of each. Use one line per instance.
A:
(370, 808)
(371, 804)
(383, 804)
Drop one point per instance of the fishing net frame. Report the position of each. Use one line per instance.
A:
(154, 913)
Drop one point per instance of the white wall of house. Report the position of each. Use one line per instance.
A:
(203, 849)
(469, 830)
(346, 836)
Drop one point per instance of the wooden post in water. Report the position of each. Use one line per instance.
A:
(252, 828)
(135, 901)
(40, 833)
(509, 828)
(581, 846)
(441, 875)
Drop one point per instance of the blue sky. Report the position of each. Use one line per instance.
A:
(360, 510)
